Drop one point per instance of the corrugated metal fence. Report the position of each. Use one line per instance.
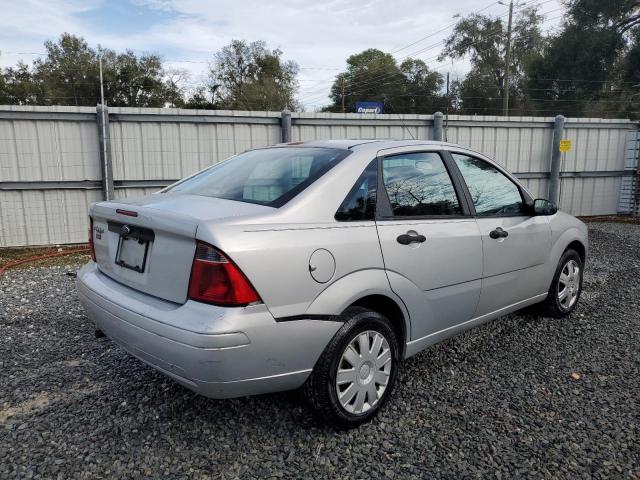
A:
(630, 188)
(52, 167)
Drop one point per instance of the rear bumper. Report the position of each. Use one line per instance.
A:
(217, 352)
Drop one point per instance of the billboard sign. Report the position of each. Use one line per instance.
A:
(369, 107)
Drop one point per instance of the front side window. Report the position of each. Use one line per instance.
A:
(360, 203)
(492, 192)
(418, 184)
(270, 176)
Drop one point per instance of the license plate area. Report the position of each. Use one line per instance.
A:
(133, 246)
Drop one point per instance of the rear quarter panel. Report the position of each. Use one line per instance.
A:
(276, 258)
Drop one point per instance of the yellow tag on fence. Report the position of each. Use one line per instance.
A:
(565, 146)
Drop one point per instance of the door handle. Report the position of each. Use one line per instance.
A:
(406, 239)
(498, 233)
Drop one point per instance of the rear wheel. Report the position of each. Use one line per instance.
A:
(566, 286)
(356, 372)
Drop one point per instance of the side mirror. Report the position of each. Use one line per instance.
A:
(542, 206)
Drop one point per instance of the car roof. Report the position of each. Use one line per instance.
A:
(368, 144)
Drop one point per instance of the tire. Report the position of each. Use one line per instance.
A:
(322, 390)
(554, 306)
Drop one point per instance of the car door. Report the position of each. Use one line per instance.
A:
(430, 243)
(515, 243)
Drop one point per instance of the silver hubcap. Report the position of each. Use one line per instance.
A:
(569, 284)
(363, 372)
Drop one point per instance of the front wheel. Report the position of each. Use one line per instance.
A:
(566, 286)
(356, 372)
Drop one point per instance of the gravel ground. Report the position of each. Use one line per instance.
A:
(522, 396)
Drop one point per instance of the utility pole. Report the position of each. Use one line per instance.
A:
(446, 118)
(103, 125)
(101, 83)
(505, 95)
(343, 94)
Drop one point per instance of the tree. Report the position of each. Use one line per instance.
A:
(175, 81)
(19, 87)
(69, 72)
(373, 75)
(620, 95)
(201, 98)
(573, 70)
(249, 76)
(69, 75)
(620, 15)
(584, 68)
(244, 76)
(421, 88)
(482, 39)
(140, 81)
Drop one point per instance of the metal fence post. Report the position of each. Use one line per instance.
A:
(437, 126)
(104, 147)
(554, 175)
(285, 125)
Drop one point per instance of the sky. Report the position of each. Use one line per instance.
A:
(318, 35)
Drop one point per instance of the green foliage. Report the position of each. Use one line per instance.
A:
(619, 15)
(573, 70)
(589, 66)
(249, 76)
(373, 75)
(138, 81)
(69, 75)
(201, 99)
(244, 76)
(18, 87)
(629, 67)
(482, 39)
(421, 88)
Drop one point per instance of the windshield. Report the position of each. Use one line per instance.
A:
(270, 176)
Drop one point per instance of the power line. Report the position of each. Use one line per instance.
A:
(440, 31)
(383, 77)
(418, 41)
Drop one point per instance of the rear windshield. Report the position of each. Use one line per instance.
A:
(270, 176)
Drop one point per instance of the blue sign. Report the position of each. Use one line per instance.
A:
(369, 107)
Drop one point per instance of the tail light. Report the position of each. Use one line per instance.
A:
(92, 248)
(216, 279)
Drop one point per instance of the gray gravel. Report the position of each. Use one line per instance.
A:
(522, 396)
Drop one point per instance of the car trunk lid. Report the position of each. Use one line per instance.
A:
(149, 244)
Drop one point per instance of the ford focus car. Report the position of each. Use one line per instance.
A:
(323, 265)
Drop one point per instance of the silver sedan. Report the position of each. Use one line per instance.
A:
(323, 265)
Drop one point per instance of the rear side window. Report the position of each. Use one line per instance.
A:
(492, 192)
(360, 203)
(270, 176)
(418, 184)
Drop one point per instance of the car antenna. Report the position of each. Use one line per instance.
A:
(387, 102)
